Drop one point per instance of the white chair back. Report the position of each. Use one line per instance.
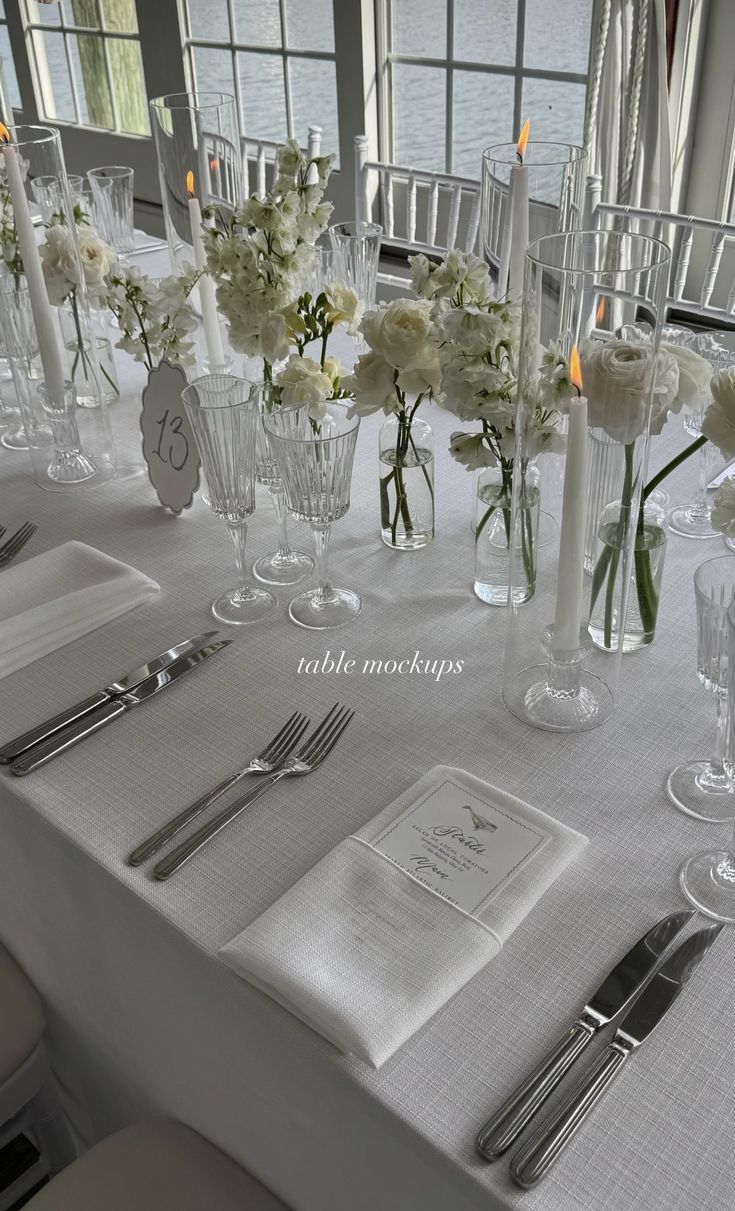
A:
(259, 159)
(702, 281)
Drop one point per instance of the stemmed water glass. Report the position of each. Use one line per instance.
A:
(706, 789)
(356, 248)
(284, 566)
(315, 458)
(224, 419)
(708, 879)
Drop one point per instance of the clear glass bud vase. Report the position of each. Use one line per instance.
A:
(492, 530)
(406, 451)
(646, 574)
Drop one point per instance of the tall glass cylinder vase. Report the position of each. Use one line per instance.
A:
(551, 176)
(555, 677)
(199, 163)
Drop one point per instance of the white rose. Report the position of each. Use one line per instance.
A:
(303, 381)
(723, 508)
(371, 385)
(719, 419)
(471, 451)
(343, 305)
(399, 331)
(695, 373)
(60, 265)
(96, 256)
(273, 337)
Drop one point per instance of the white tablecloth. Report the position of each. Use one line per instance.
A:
(142, 1015)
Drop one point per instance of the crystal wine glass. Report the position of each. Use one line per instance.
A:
(284, 566)
(706, 789)
(708, 879)
(356, 249)
(315, 459)
(224, 419)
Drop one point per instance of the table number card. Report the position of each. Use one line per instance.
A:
(461, 846)
(169, 448)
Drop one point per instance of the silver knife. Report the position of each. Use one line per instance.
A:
(618, 988)
(123, 685)
(92, 722)
(535, 1158)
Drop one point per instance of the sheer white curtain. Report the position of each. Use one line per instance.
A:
(627, 119)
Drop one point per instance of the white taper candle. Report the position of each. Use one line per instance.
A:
(207, 297)
(570, 583)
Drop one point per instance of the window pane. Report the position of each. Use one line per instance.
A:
(485, 31)
(213, 70)
(314, 102)
(8, 67)
(419, 116)
(89, 67)
(53, 71)
(310, 26)
(120, 15)
(263, 98)
(44, 14)
(420, 28)
(258, 22)
(209, 19)
(482, 115)
(84, 13)
(556, 110)
(560, 40)
(126, 70)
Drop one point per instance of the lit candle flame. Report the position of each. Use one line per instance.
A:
(214, 164)
(190, 184)
(600, 313)
(575, 370)
(522, 143)
(4, 133)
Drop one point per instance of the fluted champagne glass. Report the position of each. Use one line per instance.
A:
(224, 419)
(706, 789)
(315, 458)
(285, 565)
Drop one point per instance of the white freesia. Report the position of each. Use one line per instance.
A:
(723, 508)
(372, 385)
(719, 419)
(303, 381)
(342, 306)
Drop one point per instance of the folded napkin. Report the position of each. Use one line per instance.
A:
(364, 952)
(55, 597)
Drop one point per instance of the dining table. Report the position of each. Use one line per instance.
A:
(144, 1019)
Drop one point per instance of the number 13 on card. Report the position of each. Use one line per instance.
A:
(169, 447)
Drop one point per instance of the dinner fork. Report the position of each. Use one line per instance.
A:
(16, 543)
(272, 758)
(309, 757)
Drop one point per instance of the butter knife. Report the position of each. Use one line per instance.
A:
(123, 685)
(91, 723)
(534, 1159)
(616, 991)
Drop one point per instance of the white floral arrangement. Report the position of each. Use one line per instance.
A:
(156, 318)
(64, 271)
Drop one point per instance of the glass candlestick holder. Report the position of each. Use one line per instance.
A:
(576, 388)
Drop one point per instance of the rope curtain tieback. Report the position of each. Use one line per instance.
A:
(593, 90)
(638, 50)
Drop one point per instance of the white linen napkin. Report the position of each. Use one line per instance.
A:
(365, 954)
(58, 596)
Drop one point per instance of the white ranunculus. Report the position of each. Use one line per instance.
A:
(617, 377)
(96, 256)
(274, 338)
(695, 373)
(372, 385)
(343, 305)
(723, 508)
(719, 419)
(399, 331)
(60, 265)
(471, 451)
(303, 381)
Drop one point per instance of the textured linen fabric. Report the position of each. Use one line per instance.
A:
(60, 595)
(143, 1018)
(21, 1017)
(365, 954)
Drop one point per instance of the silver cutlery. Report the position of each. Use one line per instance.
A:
(16, 542)
(129, 681)
(309, 757)
(2, 530)
(91, 723)
(272, 758)
(534, 1159)
(615, 993)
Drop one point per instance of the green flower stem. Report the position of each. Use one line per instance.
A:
(675, 462)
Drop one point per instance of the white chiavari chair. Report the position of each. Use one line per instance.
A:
(259, 158)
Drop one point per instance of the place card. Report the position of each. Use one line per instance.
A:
(462, 846)
(169, 448)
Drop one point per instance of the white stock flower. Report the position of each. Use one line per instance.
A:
(372, 386)
(274, 341)
(303, 381)
(471, 451)
(723, 508)
(473, 329)
(719, 419)
(343, 305)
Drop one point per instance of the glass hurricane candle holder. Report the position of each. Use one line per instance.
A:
(570, 387)
(199, 163)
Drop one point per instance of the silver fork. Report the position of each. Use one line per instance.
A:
(272, 758)
(309, 757)
(16, 543)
